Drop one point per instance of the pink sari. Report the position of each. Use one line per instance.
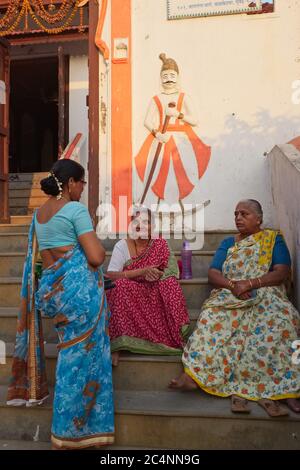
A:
(149, 317)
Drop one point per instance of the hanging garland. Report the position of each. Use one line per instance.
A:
(10, 14)
(51, 16)
(53, 20)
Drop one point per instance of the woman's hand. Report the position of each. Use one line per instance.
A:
(242, 290)
(152, 274)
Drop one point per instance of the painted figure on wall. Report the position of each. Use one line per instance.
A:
(173, 158)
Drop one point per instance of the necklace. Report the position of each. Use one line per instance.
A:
(143, 249)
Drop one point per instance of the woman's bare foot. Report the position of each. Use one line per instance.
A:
(183, 382)
(293, 404)
(115, 358)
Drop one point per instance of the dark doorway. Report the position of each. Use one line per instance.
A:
(33, 115)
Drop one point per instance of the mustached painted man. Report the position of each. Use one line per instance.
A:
(184, 157)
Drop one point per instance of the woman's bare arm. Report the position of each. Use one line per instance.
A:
(280, 274)
(115, 275)
(216, 278)
(93, 249)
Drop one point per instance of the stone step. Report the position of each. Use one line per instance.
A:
(211, 239)
(26, 193)
(20, 219)
(13, 242)
(14, 228)
(34, 202)
(168, 420)
(10, 291)
(22, 211)
(27, 177)
(195, 291)
(11, 261)
(11, 264)
(20, 224)
(8, 324)
(6, 444)
(129, 375)
(25, 185)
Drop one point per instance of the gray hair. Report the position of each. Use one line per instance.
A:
(255, 206)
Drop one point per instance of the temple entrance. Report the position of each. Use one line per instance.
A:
(34, 91)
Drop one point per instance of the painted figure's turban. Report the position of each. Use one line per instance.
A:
(168, 63)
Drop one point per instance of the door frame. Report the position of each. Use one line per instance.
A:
(93, 106)
(63, 100)
(4, 134)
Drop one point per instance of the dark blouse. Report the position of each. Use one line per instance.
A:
(280, 255)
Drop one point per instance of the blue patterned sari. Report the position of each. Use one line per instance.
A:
(72, 294)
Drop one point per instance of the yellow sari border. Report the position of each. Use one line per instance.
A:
(225, 395)
(266, 238)
(81, 443)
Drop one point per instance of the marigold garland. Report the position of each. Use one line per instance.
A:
(53, 21)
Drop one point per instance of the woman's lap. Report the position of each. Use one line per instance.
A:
(245, 352)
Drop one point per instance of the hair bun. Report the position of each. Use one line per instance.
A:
(49, 186)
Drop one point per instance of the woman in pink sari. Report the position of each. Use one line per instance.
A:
(148, 310)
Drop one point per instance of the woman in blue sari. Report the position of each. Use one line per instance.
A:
(71, 292)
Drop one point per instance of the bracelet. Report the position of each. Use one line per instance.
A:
(231, 284)
(259, 281)
(250, 282)
(125, 274)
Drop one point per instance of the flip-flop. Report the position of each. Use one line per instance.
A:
(272, 407)
(239, 405)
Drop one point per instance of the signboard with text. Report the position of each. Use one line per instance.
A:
(179, 9)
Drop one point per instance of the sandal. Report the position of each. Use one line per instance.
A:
(293, 404)
(273, 408)
(239, 405)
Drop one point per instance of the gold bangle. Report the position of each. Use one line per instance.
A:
(231, 284)
(125, 274)
(259, 281)
(250, 282)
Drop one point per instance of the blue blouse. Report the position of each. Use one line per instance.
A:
(64, 228)
(280, 254)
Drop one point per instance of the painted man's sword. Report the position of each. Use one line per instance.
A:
(157, 153)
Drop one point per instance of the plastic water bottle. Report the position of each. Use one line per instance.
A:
(186, 258)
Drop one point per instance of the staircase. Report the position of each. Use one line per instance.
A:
(147, 414)
(25, 193)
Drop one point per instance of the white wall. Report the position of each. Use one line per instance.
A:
(78, 111)
(239, 70)
(285, 173)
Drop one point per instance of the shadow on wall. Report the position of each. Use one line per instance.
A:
(258, 138)
(238, 168)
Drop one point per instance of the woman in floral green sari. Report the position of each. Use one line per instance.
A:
(242, 344)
